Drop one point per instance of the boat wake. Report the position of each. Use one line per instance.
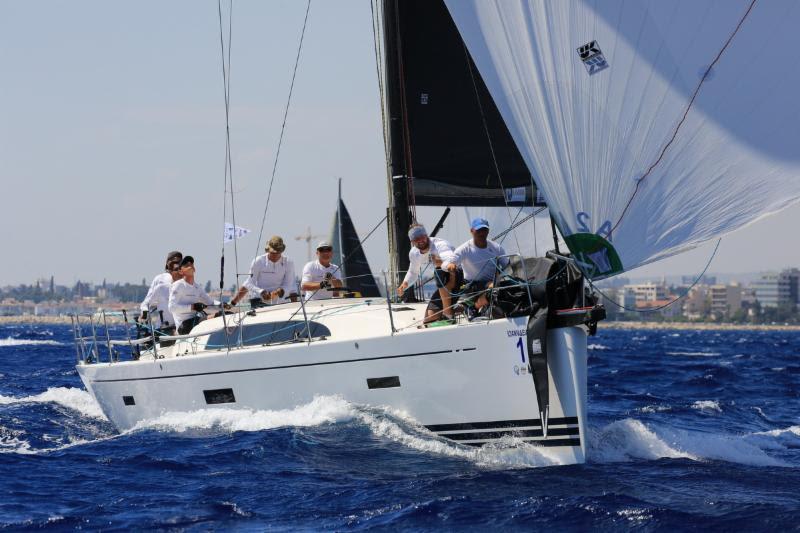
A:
(620, 441)
(72, 398)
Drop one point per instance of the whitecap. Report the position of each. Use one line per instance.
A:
(70, 397)
(791, 431)
(695, 354)
(707, 406)
(597, 347)
(11, 341)
(630, 439)
(654, 408)
(635, 515)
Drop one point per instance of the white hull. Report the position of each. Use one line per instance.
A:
(465, 382)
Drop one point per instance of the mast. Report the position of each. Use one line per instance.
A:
(399, 214)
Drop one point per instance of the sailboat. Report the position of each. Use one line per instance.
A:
(646, 128)
(349, 255)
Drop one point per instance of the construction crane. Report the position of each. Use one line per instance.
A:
(308, 237)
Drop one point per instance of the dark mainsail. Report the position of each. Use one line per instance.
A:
(349, 255)
(436, 131)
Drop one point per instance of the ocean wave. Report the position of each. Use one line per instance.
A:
(11, 341)
(72, 398)
(654, 408)
(385, 423)
(696, 354)
(597, 347)
(707, 406)
(630, 439)
(321, 410)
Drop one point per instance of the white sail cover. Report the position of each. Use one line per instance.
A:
(602, 95)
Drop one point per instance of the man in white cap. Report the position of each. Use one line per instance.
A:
(480, 259)
(320, 276)
(272, 277)
(426, 256)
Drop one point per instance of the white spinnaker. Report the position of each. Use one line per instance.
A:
(588, 138)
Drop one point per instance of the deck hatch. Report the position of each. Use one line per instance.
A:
(383, 383)
(128, 400)
(219, 396)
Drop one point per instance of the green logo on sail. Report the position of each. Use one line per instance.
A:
(595, 255)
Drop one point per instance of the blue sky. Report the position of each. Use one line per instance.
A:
(112, 138)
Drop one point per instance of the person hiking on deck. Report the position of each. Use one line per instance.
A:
(431, 251)
(480, 258)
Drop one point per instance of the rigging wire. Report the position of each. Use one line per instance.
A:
(653, 309)
(377, 40)
(283, 126)
(517, 223)
(228, 173)
(491, 145)
(685, 113)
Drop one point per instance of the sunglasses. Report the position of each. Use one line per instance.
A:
(324, 249)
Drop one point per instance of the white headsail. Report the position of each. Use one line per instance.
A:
(649, 126)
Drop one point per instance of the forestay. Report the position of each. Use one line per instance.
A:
(649, 126)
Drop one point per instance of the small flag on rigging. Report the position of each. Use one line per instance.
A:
(234, 232)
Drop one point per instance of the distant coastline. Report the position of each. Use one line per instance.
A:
(710, 326)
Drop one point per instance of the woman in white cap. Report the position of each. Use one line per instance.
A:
(321, 275)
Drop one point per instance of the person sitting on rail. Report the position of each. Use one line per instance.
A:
(432, 251)
(187, 299)
(480, 258)
(320, 276)
(272, 277)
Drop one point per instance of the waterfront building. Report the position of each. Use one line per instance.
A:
(666, 308)
(648, 292)
(778, 289)
(724, 300)
(696, 304)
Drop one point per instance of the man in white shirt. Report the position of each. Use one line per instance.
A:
(427, 255)
(157, 299)
(480, 259)
(272, 277)
(187, 299)
(320, 276)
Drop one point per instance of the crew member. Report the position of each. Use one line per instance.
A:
(426, 252)
(272, 277)
(320, 276)
(480, 259)
(187, 299)
(157, 299)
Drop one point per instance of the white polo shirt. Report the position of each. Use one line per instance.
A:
(182, 295)
(158, 297)
(479, 264)
(268, 276)
(419, 261)
(314, 272)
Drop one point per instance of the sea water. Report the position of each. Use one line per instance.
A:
(688, 430)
